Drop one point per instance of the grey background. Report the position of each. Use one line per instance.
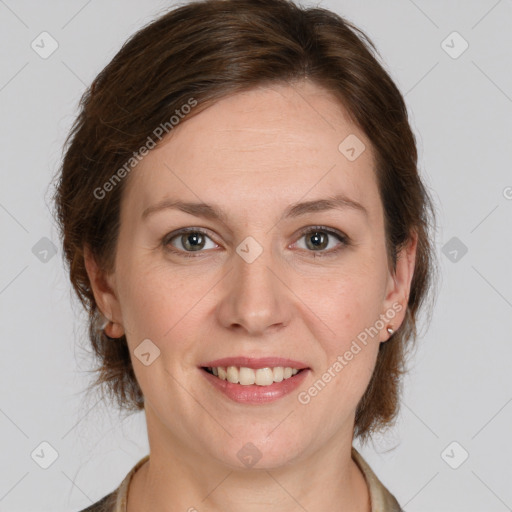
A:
(459, 388)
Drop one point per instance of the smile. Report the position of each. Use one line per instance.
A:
(254, 394)
(248, 376)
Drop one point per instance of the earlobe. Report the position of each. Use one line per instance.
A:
(399, 288)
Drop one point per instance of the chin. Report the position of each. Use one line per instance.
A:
(258, 450)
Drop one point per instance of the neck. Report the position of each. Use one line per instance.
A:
(178, 478)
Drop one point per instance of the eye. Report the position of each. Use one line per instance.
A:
(322, 240)
(188, 240)
(318, 239)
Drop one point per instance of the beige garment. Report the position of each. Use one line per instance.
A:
(381, 499)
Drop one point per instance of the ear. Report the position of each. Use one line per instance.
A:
(105, 295)
(399, 286)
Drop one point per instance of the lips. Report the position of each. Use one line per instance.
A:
(288, 374)
(255, 394)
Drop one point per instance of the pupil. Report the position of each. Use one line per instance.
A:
(195, 244)
(318, 240)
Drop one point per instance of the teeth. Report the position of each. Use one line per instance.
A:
(232, 372)
(264, 376)
(247, 376)
(278, 374)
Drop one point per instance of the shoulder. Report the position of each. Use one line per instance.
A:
(106, 504)
(116, 500)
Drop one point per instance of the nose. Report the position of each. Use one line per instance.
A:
(255, 299)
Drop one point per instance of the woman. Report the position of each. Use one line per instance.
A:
(243, 219)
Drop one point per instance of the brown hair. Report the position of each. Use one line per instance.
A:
(207, 50)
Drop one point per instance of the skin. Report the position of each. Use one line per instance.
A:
(252, 155)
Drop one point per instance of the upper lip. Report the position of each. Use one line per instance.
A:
(255, 363)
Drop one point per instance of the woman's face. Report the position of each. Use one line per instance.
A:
(286, 269)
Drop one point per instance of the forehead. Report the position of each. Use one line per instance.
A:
(275, 143)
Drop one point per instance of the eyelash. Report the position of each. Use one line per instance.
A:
(343, 239)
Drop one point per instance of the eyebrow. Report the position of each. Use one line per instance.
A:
(207, 211)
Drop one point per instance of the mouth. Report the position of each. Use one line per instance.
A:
(246, 376)
(254, 381)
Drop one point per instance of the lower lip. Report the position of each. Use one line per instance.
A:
(254, 394)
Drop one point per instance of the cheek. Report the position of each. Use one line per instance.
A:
(350, 305)
(351, 347)
(153, 300)
(350, 299)
(159, 306)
